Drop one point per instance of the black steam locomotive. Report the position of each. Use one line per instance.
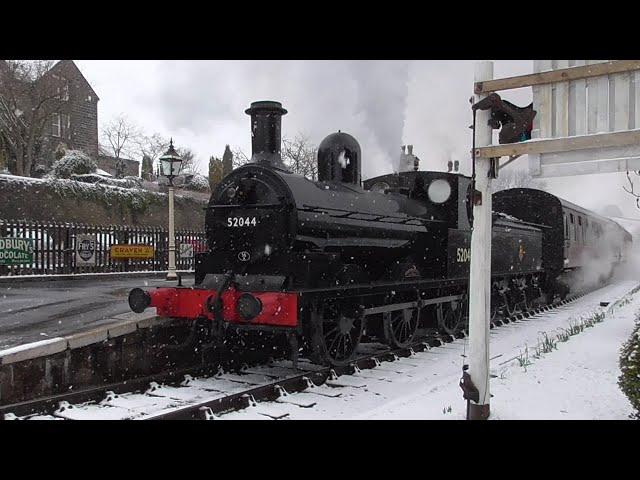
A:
(337, 260)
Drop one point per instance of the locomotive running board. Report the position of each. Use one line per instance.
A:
(257, 283)
(417, 303)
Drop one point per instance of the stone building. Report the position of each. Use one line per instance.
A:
(74, 123)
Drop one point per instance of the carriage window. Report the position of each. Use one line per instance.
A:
(580, 235)
(566, 225)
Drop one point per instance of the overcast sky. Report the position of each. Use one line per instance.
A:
(384, 104)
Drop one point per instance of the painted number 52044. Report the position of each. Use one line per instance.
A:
(241, 221)
(463, 255)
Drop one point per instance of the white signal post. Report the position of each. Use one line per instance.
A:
(480, 268)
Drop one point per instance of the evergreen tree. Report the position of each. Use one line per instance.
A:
(227, 161)
(147, 167)
(215, 171)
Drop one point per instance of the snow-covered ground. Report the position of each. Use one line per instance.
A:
(576, 380)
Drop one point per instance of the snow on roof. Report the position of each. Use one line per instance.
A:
(99, 171)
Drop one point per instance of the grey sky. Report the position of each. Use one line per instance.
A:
(425, 103)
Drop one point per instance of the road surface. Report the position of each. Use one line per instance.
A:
(34, 311)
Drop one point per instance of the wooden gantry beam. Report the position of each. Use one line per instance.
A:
(556, 76)
(566, 144)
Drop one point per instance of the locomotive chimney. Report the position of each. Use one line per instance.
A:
(266, 132)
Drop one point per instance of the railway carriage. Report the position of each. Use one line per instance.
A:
(338, 261)
(576, 237)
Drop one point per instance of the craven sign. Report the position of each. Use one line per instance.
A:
(119, 252)
(16, 251)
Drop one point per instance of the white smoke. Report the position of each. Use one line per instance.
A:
(601, 266)
(382, 90)
(343, 160)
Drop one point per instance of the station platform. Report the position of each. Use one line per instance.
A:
(46, 309)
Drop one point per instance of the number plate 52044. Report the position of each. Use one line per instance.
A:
(241, 221)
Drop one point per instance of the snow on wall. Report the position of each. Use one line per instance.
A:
(64, 200)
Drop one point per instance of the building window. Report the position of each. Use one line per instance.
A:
(89, 98)
(62, 88)
(65, 121)
(63, 92)
(56, 125)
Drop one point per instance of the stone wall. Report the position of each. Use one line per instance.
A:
(39, 200)
(108, 164)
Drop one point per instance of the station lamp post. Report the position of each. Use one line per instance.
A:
(170, 164)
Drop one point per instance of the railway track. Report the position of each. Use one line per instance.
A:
(261, 391)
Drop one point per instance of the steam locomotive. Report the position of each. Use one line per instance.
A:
(338, 261)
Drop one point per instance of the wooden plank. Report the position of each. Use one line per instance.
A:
(590, 168)
(620, 102)
(535, 167)
(602, 118)
(561, 107)
(543, 121)
(592, 101)
(554, 76)
(601, 140)
(592, 154)
(578, 104)
(636, 99)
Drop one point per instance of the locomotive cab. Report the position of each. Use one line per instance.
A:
(445, 195)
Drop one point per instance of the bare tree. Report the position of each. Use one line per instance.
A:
(299, 155)
(150, 148)
(190, 163)
(29, 95)
(631, 188)
(122, 138)
(511, 178)
(239, 158)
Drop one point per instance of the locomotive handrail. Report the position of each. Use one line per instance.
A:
(510, 218)
(376, 218)
(371, 288)
(251, 205)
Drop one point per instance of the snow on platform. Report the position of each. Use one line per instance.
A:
(578, 380)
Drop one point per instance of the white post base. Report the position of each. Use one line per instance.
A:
(172, 276)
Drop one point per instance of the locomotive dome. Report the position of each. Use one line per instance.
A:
(339, 159)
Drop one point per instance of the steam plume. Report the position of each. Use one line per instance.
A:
(382, 90)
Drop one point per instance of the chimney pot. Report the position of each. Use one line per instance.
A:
(266, 132)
